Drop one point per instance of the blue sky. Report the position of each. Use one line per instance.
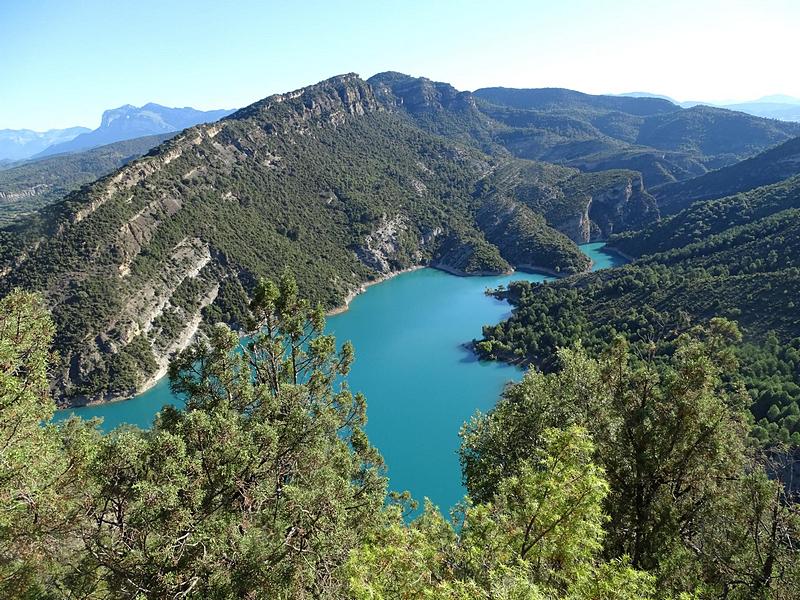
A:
(64, 62)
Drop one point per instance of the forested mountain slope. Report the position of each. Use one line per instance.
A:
(736, 257)
(663, 141)
(29, 186)
(334, 182)
(700, 223)
(340, 182)
(770, 166)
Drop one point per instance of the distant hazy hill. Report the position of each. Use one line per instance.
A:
(771, 110)
(128, 122)
(19, 144)
(663, 141)
(33, 184)
(648, 95)
(548, 99)
(778, 106)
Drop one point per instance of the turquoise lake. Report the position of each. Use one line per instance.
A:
(420, 382)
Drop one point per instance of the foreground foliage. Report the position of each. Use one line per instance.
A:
(625, 476)
(539, 537)
(688, 501)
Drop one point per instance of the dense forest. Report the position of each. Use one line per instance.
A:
(623, 475)
(737, 257)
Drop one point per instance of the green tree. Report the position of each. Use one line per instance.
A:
(41, 467)
(260, 487)
(669, 430)
(493, 446)
(670, 437)
(750, 549)
(540, 537)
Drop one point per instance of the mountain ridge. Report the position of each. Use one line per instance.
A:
(180, 235)
(33, 184)
(663, 141)
(129, 122)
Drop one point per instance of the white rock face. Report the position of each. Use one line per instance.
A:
(383, 243)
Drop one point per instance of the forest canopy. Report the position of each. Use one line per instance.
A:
(615, 475)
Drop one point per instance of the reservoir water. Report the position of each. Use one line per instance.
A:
(420, 382)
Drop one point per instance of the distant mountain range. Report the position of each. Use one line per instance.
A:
(19, 144)
(128, 122)
(777, 106)
(118, 124)
(770, 110)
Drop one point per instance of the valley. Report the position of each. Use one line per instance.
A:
(572, 316)
(413, 363)
(376, 176)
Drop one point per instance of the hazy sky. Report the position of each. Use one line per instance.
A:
(64, 61)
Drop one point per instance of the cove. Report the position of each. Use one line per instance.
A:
(421, 384)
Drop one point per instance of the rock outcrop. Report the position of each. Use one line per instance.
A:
(622, 206)
(380, 247)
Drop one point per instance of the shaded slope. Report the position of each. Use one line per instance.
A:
(771, 166)
(703, 219)
(736, 257)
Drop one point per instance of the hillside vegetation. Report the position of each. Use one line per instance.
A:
(771, 166)
(663, 141)
(27, 187)
(737, 257)
(649, 453)
(331, 181)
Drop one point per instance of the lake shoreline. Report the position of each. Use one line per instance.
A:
(193, 330)
(460, 273)
(415, 356)
(613, 250)
(364, 286)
